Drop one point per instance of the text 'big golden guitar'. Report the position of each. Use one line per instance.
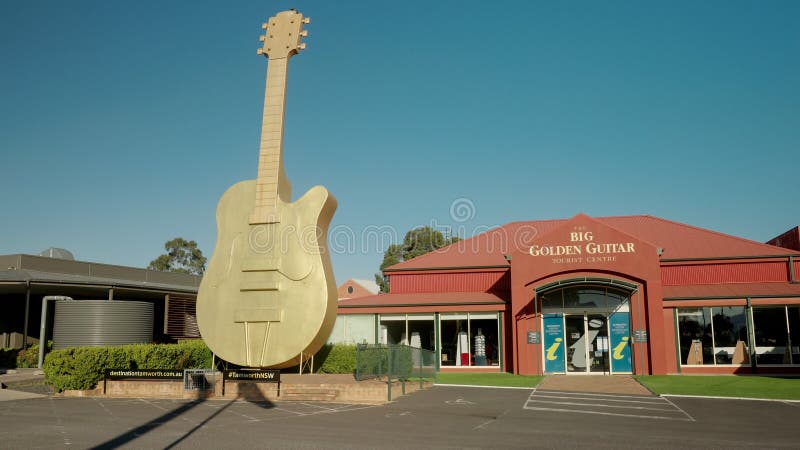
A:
(268, 296)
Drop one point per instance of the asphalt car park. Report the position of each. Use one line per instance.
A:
(441, 417)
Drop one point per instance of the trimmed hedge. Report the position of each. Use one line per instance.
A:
(336, 358)
(82, 367)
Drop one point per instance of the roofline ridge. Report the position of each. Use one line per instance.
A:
(442, 249)
(719, 233)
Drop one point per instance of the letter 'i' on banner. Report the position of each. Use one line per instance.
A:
(620, 329)
(553, 343)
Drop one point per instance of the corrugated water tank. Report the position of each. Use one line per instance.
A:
(95, 323)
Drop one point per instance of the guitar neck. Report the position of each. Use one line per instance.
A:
(271, 183)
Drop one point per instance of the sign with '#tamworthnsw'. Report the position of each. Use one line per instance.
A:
(254, 375)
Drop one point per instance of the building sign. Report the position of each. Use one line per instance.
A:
(582, 248)
(640, 336)
(143, 374)
(534, 337)
(554, 343)
(254, 375)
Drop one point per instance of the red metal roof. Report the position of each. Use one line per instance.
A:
(789, 239)
(677, 239)
(732, 290)
(420, 299)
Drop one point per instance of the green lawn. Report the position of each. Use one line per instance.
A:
(724, 386)
(488, 379)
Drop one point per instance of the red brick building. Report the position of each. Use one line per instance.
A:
(632, 294)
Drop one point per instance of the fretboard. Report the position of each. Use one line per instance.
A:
(271, 182)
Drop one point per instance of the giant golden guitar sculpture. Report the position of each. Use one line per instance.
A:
(268, 296)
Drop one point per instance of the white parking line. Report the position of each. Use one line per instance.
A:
(601, 399)
(606, 406)
(591, 394)
(598, 402)
(608, 413)
(679, 409)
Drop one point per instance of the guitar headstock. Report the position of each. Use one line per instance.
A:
(282, 39)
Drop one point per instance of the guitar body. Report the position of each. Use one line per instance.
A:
(268, 294)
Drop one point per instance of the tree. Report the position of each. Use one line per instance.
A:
(182, 256)
(418, 241)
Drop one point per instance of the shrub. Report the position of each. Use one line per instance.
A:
(83, 367)
(29, 357)
(336, 358)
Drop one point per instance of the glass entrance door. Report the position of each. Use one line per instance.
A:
(587, 343)
(597, 351)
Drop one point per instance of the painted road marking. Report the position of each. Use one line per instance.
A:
(460, 401)
(641, 407)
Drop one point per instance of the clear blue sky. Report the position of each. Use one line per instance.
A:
(122, 123)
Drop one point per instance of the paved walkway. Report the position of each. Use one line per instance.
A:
(603, 384)
(18, 381)
(10, 394)
(8, 376)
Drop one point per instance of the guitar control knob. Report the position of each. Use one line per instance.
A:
(264, 26)
(304, 33)
(307, 20)
(260, 51)
(302, 46)
(262, 38)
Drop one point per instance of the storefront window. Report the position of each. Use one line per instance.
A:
(393, 330)
(771, 335)
(585, 298)
(552, 301)
(420, 331)
(353, 329)
(719, 335)
(694, 326)
(730, 335)
(469, 339)
(483, 337)
(794, 332)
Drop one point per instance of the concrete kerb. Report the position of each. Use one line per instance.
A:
(719, 397)
(486, 387)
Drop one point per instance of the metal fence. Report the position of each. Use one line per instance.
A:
(395, 362)
(199, 379)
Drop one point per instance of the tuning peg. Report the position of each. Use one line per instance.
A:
(262, 38)
(264, 26)
(260, 51)
(304, 33)
(302, 46)
(307, 20)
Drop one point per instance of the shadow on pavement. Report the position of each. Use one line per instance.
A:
(250, 393)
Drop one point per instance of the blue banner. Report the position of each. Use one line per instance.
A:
(554, 343)
(620, 329)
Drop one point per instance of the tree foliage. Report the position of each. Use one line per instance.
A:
(417, 242)
(182, 256)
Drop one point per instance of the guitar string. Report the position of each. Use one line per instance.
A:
(246, 343)
(264, 347)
